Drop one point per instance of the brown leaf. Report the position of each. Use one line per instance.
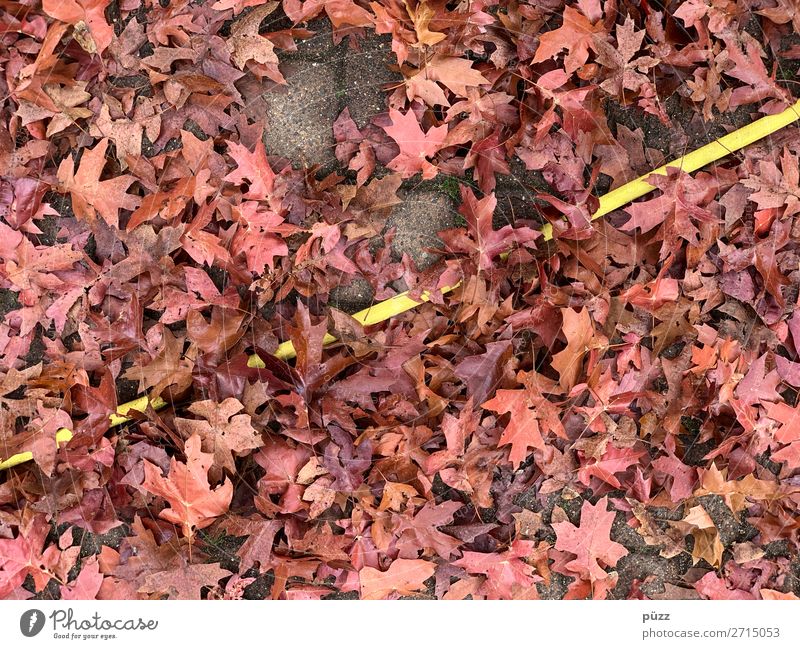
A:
(403, 577)
(245, 43)
(183, 582)
(225, 434)
(579, 331)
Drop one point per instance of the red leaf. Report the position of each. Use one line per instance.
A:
(225, 434)
(403, 577)
(575, 34)
(788, 417)
(87, 583)
(252, 168)
(507, 574)
(580, 335)
(415, 145)
(590, 542)
(260, 237)
(25, 555)
(421, 532)
(183, 582)
(713, 587)
(684, 477)
(614, 460)
(522, 431)
(193, 504)
(90, 12)
(90, 195)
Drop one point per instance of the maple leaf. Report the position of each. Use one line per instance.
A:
(125, 133)
(347, 12)
(484, 373)
(746, 65)
(627, 73)
(776, 188)
(257, 549)
(713, 587)
(523, 430)
(193, 504)
(169, 368)
(67, 100)
(32, 269)
(237, 5)
(39, 437)
(789, 454)
(785, 11)
(488, 158)
(415, 144)
(735, 492)
(260, 236)
(222, 333)
(788, 417)
(590, 542)
(677, 208)
(90, 195)
(483, 238)
(87, 584)
(167, 204)
(652, 295)
(576, 34)
(202, 246)
(684, 477)
(403, 577)
(361, 429)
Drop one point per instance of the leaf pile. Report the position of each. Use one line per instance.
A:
(613, 414)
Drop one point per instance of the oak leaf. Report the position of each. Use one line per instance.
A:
(453, 72)
(627, 73)
(183, 582)
(90, 195)
(225, 434)
(26, 555)
(82, 14)
(248, 48)
(576, 34)
(507, 573)
(193, 504)
(614, 460)
(403, 577)
(579, 331)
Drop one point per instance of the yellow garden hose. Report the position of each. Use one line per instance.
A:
(398, 304)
